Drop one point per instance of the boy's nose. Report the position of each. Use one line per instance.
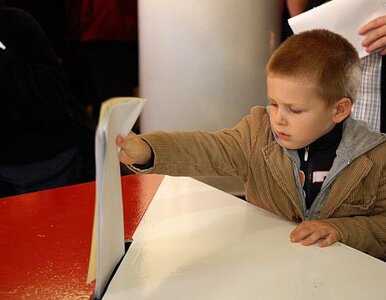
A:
(279, 118)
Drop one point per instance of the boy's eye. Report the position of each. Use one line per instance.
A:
(273, 104)
(295, 111)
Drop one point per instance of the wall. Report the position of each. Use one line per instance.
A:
(202, 63)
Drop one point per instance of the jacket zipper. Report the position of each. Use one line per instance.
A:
(306, 153)
(322, 190)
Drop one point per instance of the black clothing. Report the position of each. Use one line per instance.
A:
(315, 3)
(39, 119)
(34, 120)
(316, 160)
(286, 30)
(100, 70)
(51, 16)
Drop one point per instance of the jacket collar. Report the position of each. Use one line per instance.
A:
(357, 139)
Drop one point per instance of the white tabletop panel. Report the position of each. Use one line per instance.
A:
(196, 242)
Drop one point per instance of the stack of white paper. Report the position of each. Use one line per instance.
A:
(117, 116)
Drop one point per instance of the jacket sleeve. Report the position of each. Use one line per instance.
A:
(366, 233)
(197, 153)
(34, 84)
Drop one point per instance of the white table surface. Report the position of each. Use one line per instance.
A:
(196, 242)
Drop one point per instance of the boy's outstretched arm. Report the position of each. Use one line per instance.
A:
(310, 232)
(134, 150)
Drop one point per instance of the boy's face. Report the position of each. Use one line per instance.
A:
(298, 117)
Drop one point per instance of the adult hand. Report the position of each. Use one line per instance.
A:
(134, 150)
(310, 232)
(376, 38)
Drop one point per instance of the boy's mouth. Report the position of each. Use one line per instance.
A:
(283, 136)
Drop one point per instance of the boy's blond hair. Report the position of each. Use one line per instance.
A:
(320, 57)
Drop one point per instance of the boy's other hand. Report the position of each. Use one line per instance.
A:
(310, 232)
(134, 150)
(376, 39)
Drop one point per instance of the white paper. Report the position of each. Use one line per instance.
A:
(344, 17)
(117, 116)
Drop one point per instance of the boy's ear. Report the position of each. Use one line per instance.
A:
(342, 110)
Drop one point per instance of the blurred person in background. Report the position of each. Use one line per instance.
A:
(51, 17)
(103, 50)
(46, 139)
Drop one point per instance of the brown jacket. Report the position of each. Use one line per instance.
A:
(353, 197)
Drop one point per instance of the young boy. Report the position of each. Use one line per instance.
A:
(303, 157)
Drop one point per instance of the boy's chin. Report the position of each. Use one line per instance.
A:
(292, 146)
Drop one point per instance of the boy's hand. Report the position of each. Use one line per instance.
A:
(134, 150)
(310, 232)
(377, 38)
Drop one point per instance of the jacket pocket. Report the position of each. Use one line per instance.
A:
(356, 207)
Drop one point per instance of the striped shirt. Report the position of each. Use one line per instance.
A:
(367, 106)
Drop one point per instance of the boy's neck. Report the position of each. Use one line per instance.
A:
(330, 139)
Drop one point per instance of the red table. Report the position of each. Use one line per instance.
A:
(45, 237)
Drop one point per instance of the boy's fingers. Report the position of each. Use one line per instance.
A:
(124, 158)
(309, 232)
(124, 142)
(312, 238)
(123, 155)
(119, 140)
(300, 232)
(328, 241)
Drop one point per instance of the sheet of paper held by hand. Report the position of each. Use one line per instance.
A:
(117, 116)
(344, 17)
